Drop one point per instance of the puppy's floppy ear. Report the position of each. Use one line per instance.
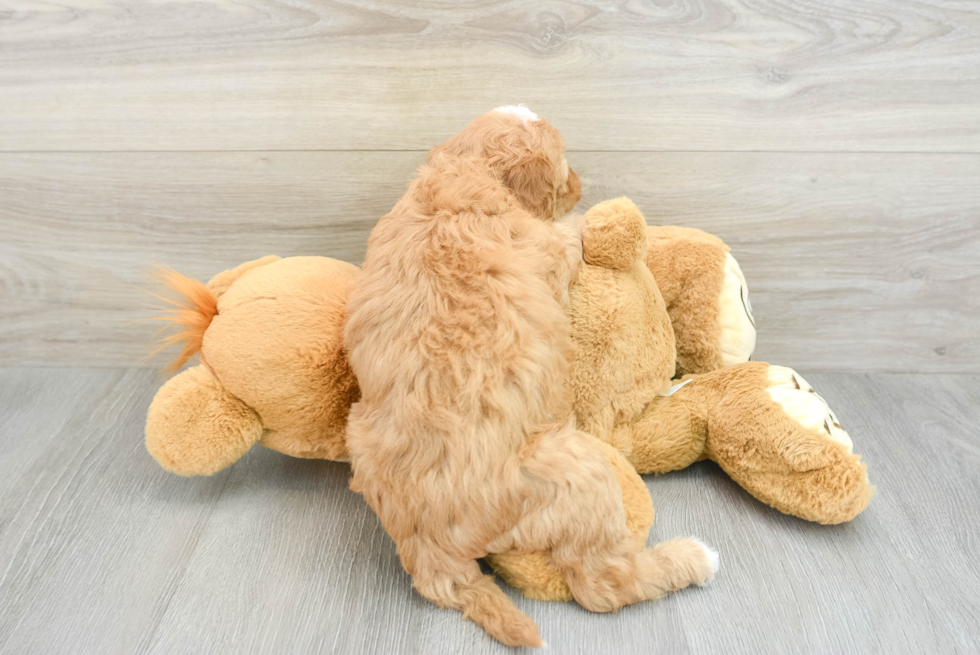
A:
(532, 180)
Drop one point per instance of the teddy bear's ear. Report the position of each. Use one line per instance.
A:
(614, 235)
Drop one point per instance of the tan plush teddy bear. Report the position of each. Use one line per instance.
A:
(649, 303)
(764, 425)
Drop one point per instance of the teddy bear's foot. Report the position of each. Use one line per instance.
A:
(195, 427)
(777, 438)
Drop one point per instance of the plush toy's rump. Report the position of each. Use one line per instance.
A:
(273, 370)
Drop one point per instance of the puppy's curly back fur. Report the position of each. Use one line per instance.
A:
(463, 441)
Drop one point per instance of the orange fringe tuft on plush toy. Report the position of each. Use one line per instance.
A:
(194, 312)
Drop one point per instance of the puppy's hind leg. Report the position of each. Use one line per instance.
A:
(675, 564)
(584, 523)
(604, 580)
(459, 584)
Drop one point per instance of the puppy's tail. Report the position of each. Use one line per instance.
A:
(193, 313)
(482, 601)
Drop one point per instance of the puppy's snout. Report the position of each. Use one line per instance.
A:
(574, 185)
(574, 192)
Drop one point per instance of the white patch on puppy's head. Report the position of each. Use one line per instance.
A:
(520, 111)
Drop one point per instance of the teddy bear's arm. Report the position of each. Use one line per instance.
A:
(706, 297)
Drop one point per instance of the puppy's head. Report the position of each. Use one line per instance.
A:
(525, 153)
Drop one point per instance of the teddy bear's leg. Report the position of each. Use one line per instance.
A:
(195, 427)
(826, 483)
(671, 432)
(706, 296)
(769, 430)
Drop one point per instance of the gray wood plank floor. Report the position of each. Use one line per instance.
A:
(103, 552)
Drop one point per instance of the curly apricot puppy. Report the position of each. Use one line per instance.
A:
(463, 441)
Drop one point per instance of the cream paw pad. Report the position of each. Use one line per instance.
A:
(799, 400)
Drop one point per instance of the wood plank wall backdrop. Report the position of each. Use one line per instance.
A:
(835, 144)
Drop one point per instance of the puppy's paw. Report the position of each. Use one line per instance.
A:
(685, 562)
(714, 560)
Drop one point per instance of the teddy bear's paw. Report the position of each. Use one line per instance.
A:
(735, 319)
(804, 405)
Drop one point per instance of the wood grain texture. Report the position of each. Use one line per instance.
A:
(854, 261)
(103, 552)
(793, 75)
